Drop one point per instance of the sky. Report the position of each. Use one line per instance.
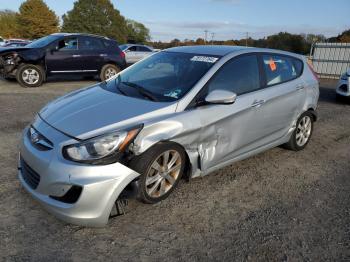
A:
(225, 19)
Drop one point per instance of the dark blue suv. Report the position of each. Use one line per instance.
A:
(62, 53)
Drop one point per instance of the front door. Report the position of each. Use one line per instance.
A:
(65, 57)
(230, 129)
(131, 55)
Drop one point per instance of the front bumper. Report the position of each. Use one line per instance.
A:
(101, 185)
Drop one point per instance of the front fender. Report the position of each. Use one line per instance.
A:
(185, 129)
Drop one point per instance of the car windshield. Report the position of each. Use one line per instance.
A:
(164, 76)
(123, 47)
(44, 41)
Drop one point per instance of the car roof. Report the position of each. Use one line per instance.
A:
(216, 50)
(128, 45)
(81, 34)
(223, 50)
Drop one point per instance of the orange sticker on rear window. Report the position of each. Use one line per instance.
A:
(272, 64)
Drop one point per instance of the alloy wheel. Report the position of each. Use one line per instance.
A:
(110, 72)
(30, 76)
(163, 173)
(304, 131)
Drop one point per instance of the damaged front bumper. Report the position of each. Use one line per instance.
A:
(8, 65)
(78, 194)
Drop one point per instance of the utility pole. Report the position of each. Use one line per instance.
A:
(212, 37)
(206, 36)
(246, 40)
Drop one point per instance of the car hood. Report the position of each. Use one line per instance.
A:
(12, 49)
(91, 111)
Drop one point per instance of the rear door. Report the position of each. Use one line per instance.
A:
(93, 53)
(66, 57)
(280, 102)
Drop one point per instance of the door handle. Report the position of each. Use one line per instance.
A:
(258, 103)
(300, 87)
(103, 55)
(74, 56)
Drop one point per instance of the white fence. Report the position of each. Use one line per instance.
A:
(330, 60)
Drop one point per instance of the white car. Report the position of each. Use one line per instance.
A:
(135, 53)
(343, 87)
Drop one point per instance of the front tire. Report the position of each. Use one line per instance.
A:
(30, 75)
(161, 168)
(302, 133)
(108, 71)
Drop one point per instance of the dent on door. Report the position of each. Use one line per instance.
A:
(210, 136)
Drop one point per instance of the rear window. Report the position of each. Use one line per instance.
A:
(279, 69)
(123, 47)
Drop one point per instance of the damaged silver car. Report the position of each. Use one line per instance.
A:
(180, 113)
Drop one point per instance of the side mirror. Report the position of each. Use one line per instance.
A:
(221, 97)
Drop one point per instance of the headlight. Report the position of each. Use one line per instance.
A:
(10, 59)
(102, 149)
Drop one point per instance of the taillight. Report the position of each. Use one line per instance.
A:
(122, 54)
(313, 72)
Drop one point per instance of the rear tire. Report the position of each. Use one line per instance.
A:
(108, 71)
(29, 75)
(161, 168)
(302, 133)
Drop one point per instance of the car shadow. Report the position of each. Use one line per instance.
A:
(327, 94)
(71, 78)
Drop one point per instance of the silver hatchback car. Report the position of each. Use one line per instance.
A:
(183, 112)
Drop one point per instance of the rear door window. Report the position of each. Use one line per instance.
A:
(299, 66)
(90, 43)
(240, 75)
(279, 69)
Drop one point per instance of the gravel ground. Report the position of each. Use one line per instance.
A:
(276, 206)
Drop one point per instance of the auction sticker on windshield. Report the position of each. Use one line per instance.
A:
(206, 59)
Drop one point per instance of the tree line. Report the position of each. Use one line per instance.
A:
(35, 19)
(297, 43)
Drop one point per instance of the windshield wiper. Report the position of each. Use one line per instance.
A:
(142, 91)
